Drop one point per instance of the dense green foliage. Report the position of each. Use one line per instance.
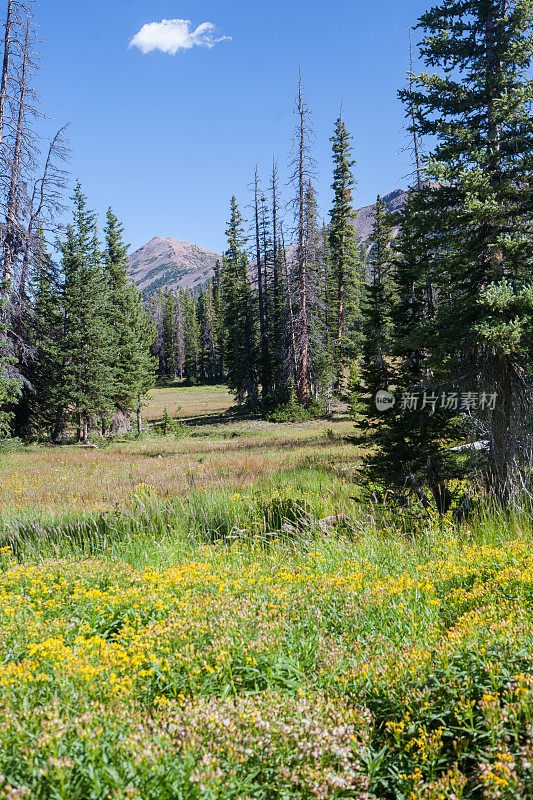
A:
(343, 254)
(465, 264)
(90, 339)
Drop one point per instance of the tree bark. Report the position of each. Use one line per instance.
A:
(139, 417)
(301, 257)
(11, 216)
(262, 326)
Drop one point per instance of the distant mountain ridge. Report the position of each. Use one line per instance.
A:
(165, 262)
(394, 201)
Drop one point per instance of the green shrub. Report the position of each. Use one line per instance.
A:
(12, 445)
(294, 412)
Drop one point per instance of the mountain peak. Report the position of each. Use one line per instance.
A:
(167, 262)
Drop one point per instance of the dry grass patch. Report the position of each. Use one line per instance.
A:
(188, 401)
(232, 454)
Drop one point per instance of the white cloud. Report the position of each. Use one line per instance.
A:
(172, 35)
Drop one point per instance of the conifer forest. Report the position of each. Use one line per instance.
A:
(268, 535)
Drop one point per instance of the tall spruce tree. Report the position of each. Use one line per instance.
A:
(343, 249)
(87, 344)
(279, 323)
(45, 396)
(169, 344)
(478, 107)
(465, 271)
(131, 360)
(319, 356)
(412, 455)
(218, 321)
(261, 266)
(303, 170)
(207, 352)
(240, 343)
(377, 306)
(191, 336)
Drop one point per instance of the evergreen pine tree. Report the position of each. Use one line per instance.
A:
(190, 335)
(207, 353)
(240, 343)
(46, 400)
(87, 344)
(377, 308)
(279, 321)
(218, 321)
(412, 440)
(10, 384)
(343, 251)
(169, 335)
(478, 109)
(131, 359)
(319, 357)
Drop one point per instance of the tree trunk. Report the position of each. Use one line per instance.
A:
(58, 428)
(340, 322)
(301, 256)
(11, 215)
(262, 332)
(139, 418)
(501, 434)
(5, 66)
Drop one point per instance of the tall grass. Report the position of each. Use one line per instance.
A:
(289, 508)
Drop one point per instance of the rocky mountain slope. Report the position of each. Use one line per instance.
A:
(394, 201)
(167, 262)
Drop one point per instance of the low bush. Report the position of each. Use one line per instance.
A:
(294, 412)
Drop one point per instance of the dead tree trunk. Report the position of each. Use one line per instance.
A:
(5, 66)
(430, 293)
(262, 323)
(45, 201)
(291, 312)
(301, 257)
(274, 187)
(10, 236)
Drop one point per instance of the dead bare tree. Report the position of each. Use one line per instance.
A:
(6, 63)
(19, 150)
(303, 171)
(266, 264)
(45, 205)
(274, 195)
(265, 389)
(32, 183)
(412, 112)
(292, 326)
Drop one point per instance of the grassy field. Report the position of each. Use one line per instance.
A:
(215, 448)
(217, 615)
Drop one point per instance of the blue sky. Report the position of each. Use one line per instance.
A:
(167, 139)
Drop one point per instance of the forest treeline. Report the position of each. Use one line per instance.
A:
(436, 313)
(280, 324)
